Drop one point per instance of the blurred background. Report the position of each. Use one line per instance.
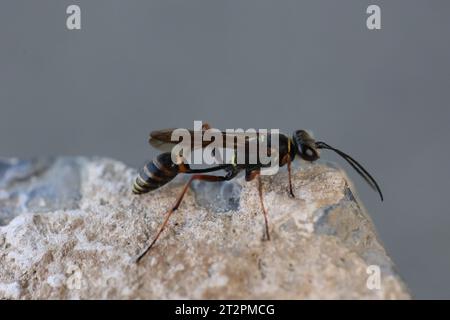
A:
(135, 66)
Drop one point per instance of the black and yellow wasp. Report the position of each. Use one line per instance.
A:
(162, 169)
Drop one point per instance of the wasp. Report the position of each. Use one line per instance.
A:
(162, 169)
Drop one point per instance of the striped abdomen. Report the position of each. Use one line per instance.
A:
(155, 174)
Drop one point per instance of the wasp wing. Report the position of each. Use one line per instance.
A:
(162, 139)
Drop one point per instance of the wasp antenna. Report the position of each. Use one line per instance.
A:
(355, 165)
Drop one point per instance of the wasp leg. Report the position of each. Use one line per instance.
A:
(249, 176)
(211, 178)
(290, 175)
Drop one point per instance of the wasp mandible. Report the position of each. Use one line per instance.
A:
(162, 169)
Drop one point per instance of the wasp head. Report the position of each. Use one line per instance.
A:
(306, 145)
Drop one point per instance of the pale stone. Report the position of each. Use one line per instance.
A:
(73, 229)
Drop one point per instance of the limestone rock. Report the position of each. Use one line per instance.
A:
(70, 228)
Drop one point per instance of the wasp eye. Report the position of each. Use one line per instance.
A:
(309, 152)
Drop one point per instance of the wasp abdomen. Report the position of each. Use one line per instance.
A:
(155, 174)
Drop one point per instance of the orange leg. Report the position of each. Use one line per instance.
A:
(250, 175)
(176, 205)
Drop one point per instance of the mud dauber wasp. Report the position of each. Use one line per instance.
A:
(162, 169)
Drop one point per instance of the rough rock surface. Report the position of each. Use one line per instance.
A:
(70, 228)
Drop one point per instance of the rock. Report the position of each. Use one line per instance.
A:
(71, 228)
(37, 185)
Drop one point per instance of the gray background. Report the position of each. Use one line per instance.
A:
(141, 65)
